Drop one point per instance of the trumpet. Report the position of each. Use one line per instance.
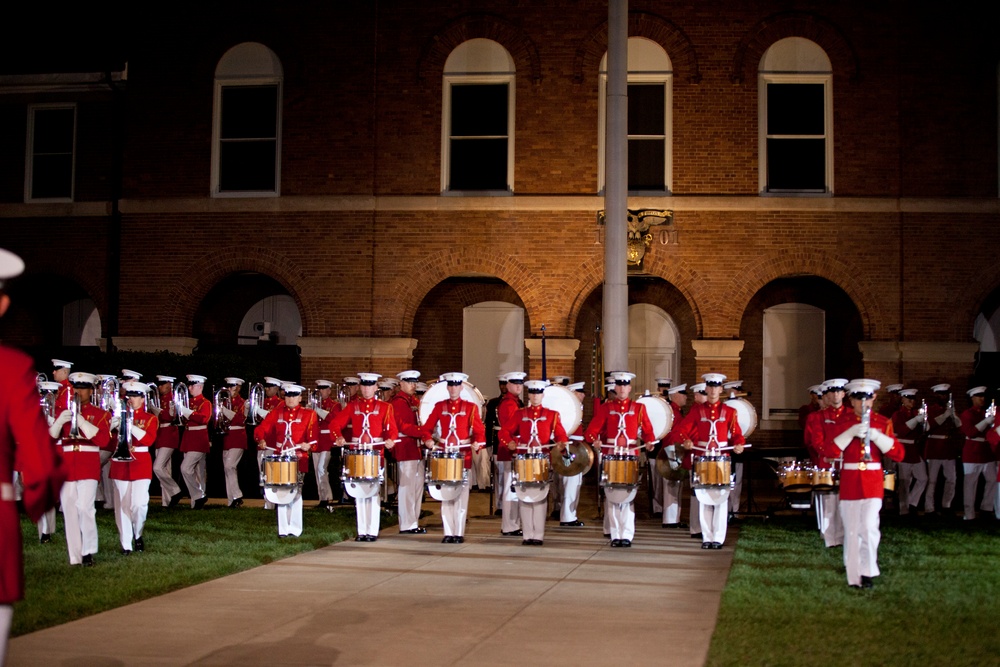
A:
(181, 399)
(126, 417)
(222, 399)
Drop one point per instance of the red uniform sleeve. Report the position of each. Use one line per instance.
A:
(266, 426)
(508, 429)
(559, 432)
(648, 432)
(202, 413)
(148, 423)
(389, 430)
(596, 425)
(478, 428)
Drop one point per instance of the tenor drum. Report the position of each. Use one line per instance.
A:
(562, 400)
(746, 415)
(825, 480)
(531, 477)
(620, 477)
(661, 415)
(795, 476)
(438, 392)
(280, 478)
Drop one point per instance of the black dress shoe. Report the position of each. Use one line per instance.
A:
(45, 538)
(571, 523)
(139, 544)
(512, 533)
(716, 545)
(238, 502)
(866, 582)
(126, 552)
(200, 503)
(372, 538)
(460, 539)
(537, 543)
(88, 560)
(174, 501)
(359, 538)
(706, 545)
(626, 543)
(322, 505)
(616, 543)
(498, 513)
(527, 543)
(413, 531)
(448, 539)
(695, 536)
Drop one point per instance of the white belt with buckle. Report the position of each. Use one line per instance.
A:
(166, 424)
(870, 465)
(938, 437)
(237, 428)
(197, 428)
(140, 449)
(80, 448)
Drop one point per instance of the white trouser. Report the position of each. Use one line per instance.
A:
(368, 514)
(163, 469)
(106, 489)
(914, 474)
(193, 470)
(621, 520)
(481, 467)
(972, 473)
(828, 518)
(714, 520)
(737, 490)
(131, 507)
(79, 518)
(533, 519)
(47, 524)
(511, 519)
(231, 459)
(261, 453)
(570, 496)
(454, 513)
(555, 495)
(694, 518)
(411, 493)
(290, 516)
(861, 538)
(321, 464)
(6, 616)
(934, 468)
(671, 500)
(657, 482)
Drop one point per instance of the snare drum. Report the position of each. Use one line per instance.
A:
(796, 476)
(280, 470)
(619, 470)
(825, 480)
(446, 468)
(888, 481)
(711, 472)
(531, 468)
(361, 465)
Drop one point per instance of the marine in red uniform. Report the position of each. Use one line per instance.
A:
(167, 442)
(571, 483)
(510, 402)
(977, 457)
(865, 447)
(908, 425)
(455, 425)
(373, 429)
(673, 488)
(132, 478)
(618, 425)
(814, 404)
(941, 447)
(294, 428)
(533, 430)
(710, 429)
(81, 442)
(60, 374)
(195, 442)
(409, 452)
(821, 427)
(888, 409)
(24, 446)
(234, 440)
(326, 409)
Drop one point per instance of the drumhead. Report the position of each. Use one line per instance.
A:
(438, 391)
(532, 493)
(357, 489)
(562, 400)
(661, 415)
(443, 492)
(281, 495)
(746, 415)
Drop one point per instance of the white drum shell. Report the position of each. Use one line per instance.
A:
(620, 494)
(361, 489)
(443, 492)
(661, 415)
(562, 400)
(746, 415)
(531, 493)
(281, 495)
(438, 392)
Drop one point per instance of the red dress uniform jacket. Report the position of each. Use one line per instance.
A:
(976, 449)
(861, 484)
(24, 446)
(236, 434)
(533, 427)
(715, 423)
(196, 432)
(618, 423)
(509, 404)
(288, 428)
(64, 396)
(371, 422)
(82, 457)
(270, 404)
(941, 438)
(911, 439)
(805, 411)
(324, 440)
(993, 439)
(821, 427)
(460, 424)
(142, 467)
(168, 435)
(406, 410)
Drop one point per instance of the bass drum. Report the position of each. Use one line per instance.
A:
(439, 392)
(562, 400)
(661, 415)
(746, 415)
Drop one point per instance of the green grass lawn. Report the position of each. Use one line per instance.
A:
(183, 547)
(937, 601)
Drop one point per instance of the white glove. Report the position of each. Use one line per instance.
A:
(229, 414)
(912, 423)
(57, 424)
(155, 411)
(940, 419)
(844, 439)
(137, 432)
(49, 420)
(957, 421)
(115, 422)
(86, 428)
(260, 412)
(173, 413)
(321, 413)
(983, 425)
(187, 412)
(881, 440)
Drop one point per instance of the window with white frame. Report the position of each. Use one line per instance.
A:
(246, 134)
(650, 138)
(477, 124)
(795, 92)
(50, 152)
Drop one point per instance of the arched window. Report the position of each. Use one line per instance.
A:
(653, 346)
(477, 124)
(795, 106)
(650, 118)
(246, 132)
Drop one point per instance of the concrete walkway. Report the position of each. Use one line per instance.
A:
(410, 600)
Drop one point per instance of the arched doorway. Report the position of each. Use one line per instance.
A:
(51, 316)
(652, 345)
(986, 330)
